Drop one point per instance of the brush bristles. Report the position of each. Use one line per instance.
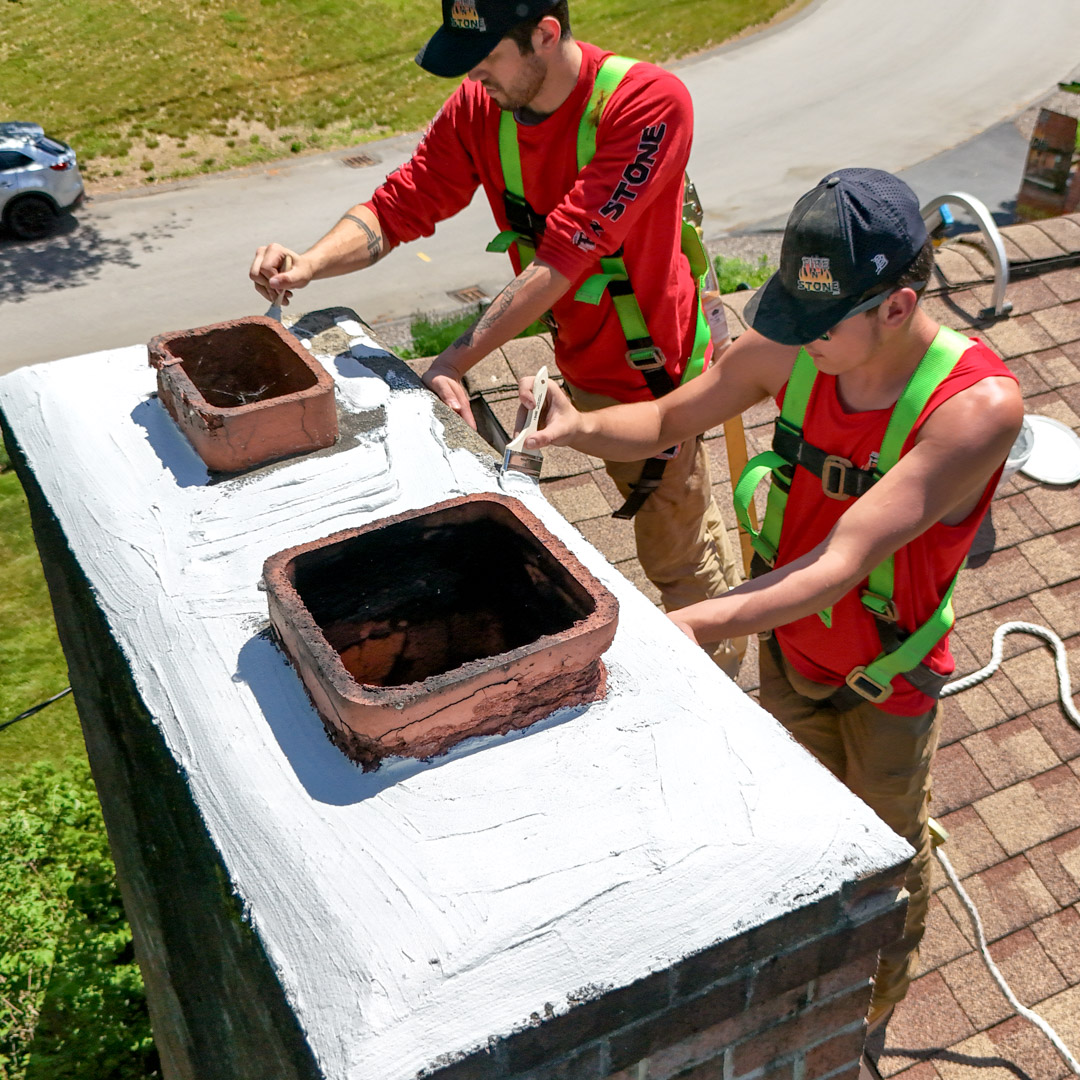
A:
(523, 462)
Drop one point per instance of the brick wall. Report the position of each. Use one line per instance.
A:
(784, 1001)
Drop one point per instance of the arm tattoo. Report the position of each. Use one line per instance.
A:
(374, 241)
(497, 308)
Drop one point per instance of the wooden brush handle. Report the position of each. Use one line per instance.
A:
(286, 266)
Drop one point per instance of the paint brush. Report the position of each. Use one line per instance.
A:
(274, 311)
(516, 456)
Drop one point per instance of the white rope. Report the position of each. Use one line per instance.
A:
(995, 662)
(980, 937)
(1065, 691)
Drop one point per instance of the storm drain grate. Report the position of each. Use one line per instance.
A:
(359, 161)
(471, 294)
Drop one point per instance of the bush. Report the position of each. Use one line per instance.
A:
(733, 272)
(431, 336)
(72, 1004)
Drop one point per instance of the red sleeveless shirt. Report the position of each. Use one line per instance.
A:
(923, 568)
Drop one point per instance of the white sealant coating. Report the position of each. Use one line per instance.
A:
(413, 912)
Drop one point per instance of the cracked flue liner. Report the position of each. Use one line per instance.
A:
(244, 392)
(420, 630)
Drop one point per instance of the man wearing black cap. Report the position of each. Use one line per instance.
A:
(892, 435)
(582, 157)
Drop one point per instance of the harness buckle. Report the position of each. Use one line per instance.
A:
(833, 476)
(882, 607)
(867, 687)
(763, 551)
(650, 358)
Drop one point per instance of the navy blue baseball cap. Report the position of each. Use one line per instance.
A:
(857, 231)
(471, 29)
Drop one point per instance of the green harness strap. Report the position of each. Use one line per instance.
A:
(873, 681)
(608, 77)
(613, 277)
(766, 541)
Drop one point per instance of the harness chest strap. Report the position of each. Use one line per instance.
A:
(900, 655)
(527, 226)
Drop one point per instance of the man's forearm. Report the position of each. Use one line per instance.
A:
(354, 243)
(519, 305)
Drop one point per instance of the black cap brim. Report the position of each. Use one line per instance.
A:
(453, 53)
(789, 320)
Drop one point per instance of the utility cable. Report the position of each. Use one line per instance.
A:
(35, 708)
(1065, 691)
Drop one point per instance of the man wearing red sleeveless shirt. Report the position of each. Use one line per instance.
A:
(854, 262)
(521, 59)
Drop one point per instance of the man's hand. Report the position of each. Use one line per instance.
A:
(525, 299)
(444, 380)
(561, 421)
(271, 281)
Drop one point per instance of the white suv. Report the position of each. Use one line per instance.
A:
(38, 179)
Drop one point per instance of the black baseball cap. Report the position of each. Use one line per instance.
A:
(858, 230)
(471, 29)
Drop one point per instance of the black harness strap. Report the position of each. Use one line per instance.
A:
(523, 218)
(651, 475)
(839, 478)
(844, 697)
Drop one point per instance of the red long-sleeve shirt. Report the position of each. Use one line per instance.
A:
(629, 195)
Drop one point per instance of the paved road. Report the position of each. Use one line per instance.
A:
(845, 82)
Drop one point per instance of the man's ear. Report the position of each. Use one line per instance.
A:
(899, 307)
(547, 35)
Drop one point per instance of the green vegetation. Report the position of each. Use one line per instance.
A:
(72, 1005)
(733, 272)
(32, 667)
(431, 336)
(71, 997)
(334, 73)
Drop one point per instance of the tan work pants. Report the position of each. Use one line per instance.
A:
(682, 544)
(885, 760)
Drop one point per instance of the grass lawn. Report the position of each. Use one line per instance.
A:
(147, 90)
(32, 667)
(72, 1005)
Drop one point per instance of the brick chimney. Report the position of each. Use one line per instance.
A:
(652, 882)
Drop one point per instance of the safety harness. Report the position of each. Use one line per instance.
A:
(527, 227)
(902, 654)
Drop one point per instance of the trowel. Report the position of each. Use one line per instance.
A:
(516, 456)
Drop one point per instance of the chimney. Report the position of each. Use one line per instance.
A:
(634, 874)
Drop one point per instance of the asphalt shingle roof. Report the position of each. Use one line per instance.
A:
(1007, 774)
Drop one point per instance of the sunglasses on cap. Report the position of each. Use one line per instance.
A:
(870, 304)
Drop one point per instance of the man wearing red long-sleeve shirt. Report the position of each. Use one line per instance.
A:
(625, 201)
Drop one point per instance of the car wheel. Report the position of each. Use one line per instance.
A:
(31, 217)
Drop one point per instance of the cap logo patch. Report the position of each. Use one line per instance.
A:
(816, 277)
(464, 16)
(880, 262)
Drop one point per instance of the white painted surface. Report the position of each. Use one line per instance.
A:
(415, 911)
